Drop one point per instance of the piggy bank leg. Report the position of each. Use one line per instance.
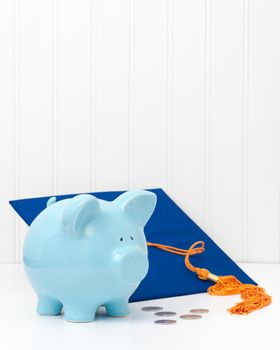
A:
(48, 306)
(117, 308)
(74, 313)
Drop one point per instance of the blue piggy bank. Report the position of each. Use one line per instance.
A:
(83, 252)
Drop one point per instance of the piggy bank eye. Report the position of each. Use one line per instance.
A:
(131, 238)
(121, 239)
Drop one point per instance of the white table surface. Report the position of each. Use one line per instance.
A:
(22, 328)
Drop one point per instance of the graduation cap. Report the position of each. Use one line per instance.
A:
(171, 273)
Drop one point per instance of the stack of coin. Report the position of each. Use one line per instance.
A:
(161, 314)
(195, 314)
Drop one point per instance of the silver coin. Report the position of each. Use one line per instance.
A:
(151, 308)
(199, 311)
(167, 322)
(165, 313)
(190, 317)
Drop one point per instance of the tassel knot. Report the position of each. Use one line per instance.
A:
(202, 273)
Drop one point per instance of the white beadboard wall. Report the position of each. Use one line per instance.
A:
(117, 94)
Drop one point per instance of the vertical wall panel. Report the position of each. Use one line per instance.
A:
(73, 95)
(33, 102)
(112, 94)
(224, 145)
(186, 163)
(263, 132)
(150, 93)
(6, 130)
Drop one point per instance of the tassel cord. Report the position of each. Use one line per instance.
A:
(253, 297)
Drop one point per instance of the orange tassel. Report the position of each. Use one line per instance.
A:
(253, 297)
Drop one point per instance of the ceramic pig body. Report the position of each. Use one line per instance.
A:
(81, 253)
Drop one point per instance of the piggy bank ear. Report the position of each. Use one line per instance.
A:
(139, 204)
(80, 211)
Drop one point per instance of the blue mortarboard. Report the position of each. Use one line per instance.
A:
(169, 225)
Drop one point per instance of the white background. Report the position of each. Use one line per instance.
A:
(216, 330)
(118, 94)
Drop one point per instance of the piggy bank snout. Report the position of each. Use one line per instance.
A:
(133, 263)
(134, 266)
